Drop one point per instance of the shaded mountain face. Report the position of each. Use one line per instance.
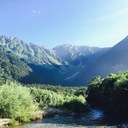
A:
(113, 61)
(64, 64)
(110, 60)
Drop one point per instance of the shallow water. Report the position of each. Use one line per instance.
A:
(95, 118)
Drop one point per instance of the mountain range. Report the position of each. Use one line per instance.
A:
(63, 65)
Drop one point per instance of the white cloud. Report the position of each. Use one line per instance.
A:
(35, 12)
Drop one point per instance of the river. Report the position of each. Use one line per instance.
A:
(93, 119)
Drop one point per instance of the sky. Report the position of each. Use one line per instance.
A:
(101, 23)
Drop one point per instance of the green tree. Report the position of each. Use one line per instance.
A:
(93, 91)
(16, 102)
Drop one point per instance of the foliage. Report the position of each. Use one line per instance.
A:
(58, 96)
(46, 97)
(110, 93)
(93, 91)
(19, 102)
(60, 89)
(76, 104)
(11, 67)
(16, 102)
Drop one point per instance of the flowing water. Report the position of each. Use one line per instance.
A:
(95, 118)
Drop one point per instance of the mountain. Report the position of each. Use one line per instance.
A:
(79, 55)
(29, 51)
(78, 59)
(113, 61)
(103, 61)
(49, 66)
(63, 65)
(44, 64)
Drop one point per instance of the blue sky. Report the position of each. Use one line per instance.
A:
(100, 23)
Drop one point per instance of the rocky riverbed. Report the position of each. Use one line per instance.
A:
(93, 119)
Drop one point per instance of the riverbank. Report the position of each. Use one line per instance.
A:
(38, 115)
(56, 118)
(93, 119)
(6, 122)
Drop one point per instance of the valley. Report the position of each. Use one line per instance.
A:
(63, 64)
(76, 80)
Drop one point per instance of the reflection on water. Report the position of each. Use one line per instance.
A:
(96, 114)
(95, 118)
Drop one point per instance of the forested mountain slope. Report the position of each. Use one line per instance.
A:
(11, 67)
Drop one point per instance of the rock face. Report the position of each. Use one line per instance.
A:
(77, 55)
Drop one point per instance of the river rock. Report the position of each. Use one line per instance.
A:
(4, 122)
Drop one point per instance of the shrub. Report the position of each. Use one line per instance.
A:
(16, 102)
(76, 104)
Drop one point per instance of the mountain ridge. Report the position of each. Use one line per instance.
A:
(66, 64)
(73, 53)
(32, 52)
(113, 61)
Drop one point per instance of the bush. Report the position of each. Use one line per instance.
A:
(76, 104)
(16, 102)
(46, 97)
(111, 94)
